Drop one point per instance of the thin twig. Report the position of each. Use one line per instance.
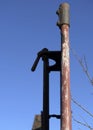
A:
(86, 66)
(82, 107)
(83, 124)
(85, 121)
(83, 64)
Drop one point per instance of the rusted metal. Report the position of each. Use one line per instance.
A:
(37, 123)
(65, 67)
(65, 75)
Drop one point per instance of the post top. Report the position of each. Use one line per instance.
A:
(63, 13)
(64, 5)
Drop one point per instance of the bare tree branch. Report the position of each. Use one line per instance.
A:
(82, 108)
(85, 121)
(83, 124)
(83, 64)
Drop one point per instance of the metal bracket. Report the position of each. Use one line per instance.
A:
(54, 55)
(56, 116)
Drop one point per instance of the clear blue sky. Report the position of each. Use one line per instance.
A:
(27, 26)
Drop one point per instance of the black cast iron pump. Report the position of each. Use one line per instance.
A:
(46, 55)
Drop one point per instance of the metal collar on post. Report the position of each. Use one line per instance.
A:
(63, 13)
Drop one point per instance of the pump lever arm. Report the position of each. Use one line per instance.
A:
(35, 63)
(39, 55)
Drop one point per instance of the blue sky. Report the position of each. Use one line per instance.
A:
(27, 26)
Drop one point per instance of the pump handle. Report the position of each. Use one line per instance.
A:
(35, 63)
